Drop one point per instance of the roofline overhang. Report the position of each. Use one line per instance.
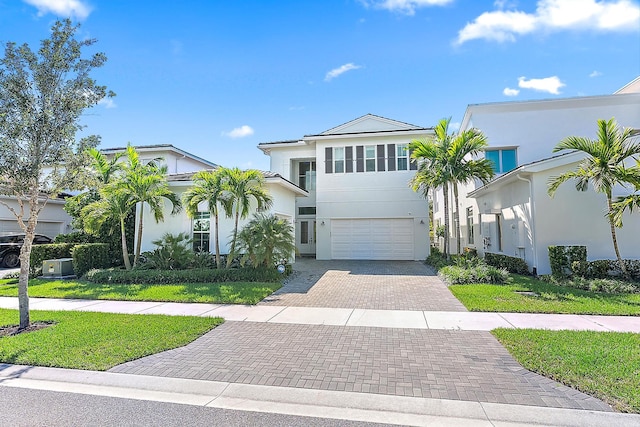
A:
(411, 132)
(527, 170)
(160, 147)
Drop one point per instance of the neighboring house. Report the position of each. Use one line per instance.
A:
(513, 215)
(53, 220)
(359, 203)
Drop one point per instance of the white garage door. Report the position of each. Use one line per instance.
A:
(376, 239)
(50, 229)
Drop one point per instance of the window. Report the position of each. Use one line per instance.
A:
(370, 158)
(338, 160)
(307, 210)
(402, 157)
(307, 175)
(503, 160)
(470, 234)
(201, 231)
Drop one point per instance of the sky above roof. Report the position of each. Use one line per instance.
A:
(216, 78)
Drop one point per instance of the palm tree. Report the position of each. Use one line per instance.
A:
(207, 187)
(147, 184)
(104, 167)
(265, 240)
(604, 166)
(240, 188)
(114, 202)
(445, 160)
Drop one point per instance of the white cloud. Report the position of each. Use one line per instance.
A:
(340, 70)
(547, 84)
(240, 132)
(595, 74)
(553, 15)
(510, 92)
(107, 103)
(408, 7)
(64, 8)
(454, 127)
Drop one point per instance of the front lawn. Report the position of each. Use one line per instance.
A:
(603, 364)
(220, 293)
(546, 298)
(97, 341)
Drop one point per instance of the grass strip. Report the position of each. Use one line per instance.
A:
(221, 293)
(603, 364)
(97, 341)
(546, 298)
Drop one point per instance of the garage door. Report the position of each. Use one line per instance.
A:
(50, 229)
(377, 239)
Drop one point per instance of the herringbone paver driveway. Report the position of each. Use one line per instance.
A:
(447, 364)
(381, 285)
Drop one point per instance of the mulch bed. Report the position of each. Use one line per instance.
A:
(7, 331)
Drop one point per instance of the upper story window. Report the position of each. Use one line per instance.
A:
(503, 160)
(338, 159)
(402, 157)
(370, 158)
(307, 175)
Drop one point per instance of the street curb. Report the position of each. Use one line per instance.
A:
(305, 402)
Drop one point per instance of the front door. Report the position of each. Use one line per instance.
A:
(307, 237)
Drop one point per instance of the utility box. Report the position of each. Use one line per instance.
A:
(57, 268)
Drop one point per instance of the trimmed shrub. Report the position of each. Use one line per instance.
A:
(562, 258)
(458, 275)
(89, 256)
(437, 259)
(40, 253)
(150, 277)
(509, 263)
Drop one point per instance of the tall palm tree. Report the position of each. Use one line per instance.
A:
(446, 160)
(207, 187)
(147, 183)
(240, 189)
(104, 167)
(604, 167)
(114, 202)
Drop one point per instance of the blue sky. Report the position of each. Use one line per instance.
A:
(216, 78)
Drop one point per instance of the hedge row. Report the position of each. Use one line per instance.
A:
(245, 274)
(85, 256)
(509, 263)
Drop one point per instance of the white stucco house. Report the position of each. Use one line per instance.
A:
(359, 203)
(513, 214)
(181, 167)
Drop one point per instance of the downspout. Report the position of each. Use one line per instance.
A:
(532, 223)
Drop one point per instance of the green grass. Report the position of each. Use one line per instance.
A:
(603, 364)
(97, 341)
(224, 293)
(552, 298)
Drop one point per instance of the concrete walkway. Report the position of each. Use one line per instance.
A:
(405, 319)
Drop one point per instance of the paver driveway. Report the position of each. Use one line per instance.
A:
(447, 364)
(382, 285)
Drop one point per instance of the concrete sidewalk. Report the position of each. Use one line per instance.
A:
(304, 402)
(406, 319)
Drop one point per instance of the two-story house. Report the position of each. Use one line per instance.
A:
(360, 204)
(513, 214)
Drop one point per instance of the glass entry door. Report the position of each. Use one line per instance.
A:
(307, 237)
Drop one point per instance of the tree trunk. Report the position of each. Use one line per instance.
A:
(233, 242)
(23, 285)
(139, 244)
(445, 192)
(217, 241)
(456, 217)
(125, 250)
(615, 241)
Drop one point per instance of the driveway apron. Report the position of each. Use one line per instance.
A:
(443, 364)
